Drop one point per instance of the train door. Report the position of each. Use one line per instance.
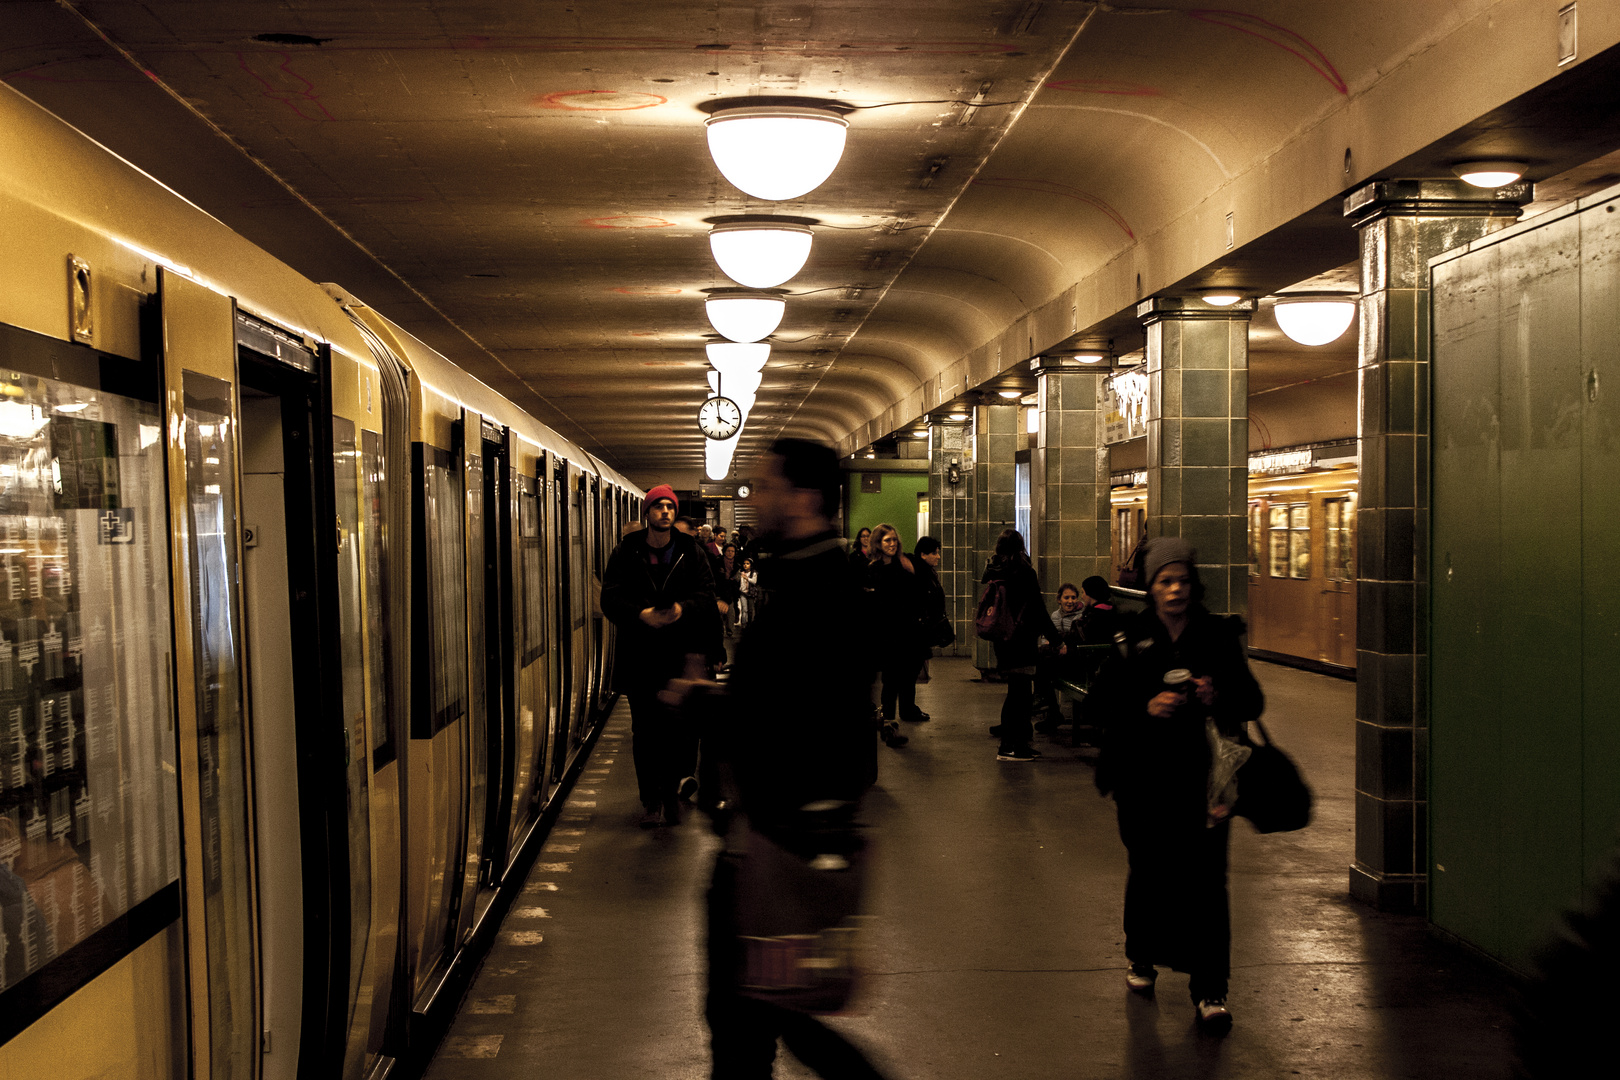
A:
(496, 614)
(601, 528)
(562, 576)
(529, 785)
(579, 577)
(436, 765)
(1339, 584)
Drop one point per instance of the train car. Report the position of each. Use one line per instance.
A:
(299, 642)
(1302, 551)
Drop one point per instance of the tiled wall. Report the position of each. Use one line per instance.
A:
(996, 435)
(950, 513)
(1069, 509)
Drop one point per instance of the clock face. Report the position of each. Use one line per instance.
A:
(719, 418)
(744, 490)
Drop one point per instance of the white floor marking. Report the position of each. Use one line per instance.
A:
(530, 913)
(495, 1003)
(523, 937)
(582, 803)
(542, 886)
(472, 1046)
(567, 832)
(555, 867)
(561, 849)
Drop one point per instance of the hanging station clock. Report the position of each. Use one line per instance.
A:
(719, 418)
(744, 490)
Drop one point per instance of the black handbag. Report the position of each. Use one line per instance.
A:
(939, 633)
(1271, 793)
(799, 918)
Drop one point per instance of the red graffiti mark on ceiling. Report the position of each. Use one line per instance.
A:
(1280, 36)
(1051, 187)
(644, 333)
(599, 100)
(1105, 86)
(626, 221)
(644, 290)
(300, 98)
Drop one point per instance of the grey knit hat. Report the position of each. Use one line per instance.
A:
(1164, 550)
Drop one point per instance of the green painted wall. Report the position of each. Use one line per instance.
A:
(895, 505)
(1524, 737)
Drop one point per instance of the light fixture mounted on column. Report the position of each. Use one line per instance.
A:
(760, 252)
(744, 315)
(1489, 174)
(1314, 320)
(776, 152)
(1222, 299)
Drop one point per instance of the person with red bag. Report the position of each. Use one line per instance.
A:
(1014, 627)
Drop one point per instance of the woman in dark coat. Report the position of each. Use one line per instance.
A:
(1016, 657)
(1155, 762)
(896, 629)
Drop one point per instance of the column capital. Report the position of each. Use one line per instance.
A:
(1165, 308)
(1043, 365)
(1434, 198)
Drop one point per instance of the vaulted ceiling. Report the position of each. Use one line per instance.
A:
(525, 184)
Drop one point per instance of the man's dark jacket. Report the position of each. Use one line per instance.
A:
(644, 658)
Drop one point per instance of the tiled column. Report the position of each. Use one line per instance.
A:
(950, 520)
(1068, 483)
(1198, 438)
(1403, 223)
(995, 449)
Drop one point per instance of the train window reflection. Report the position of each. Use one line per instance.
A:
(88, 799)
(1340, 538)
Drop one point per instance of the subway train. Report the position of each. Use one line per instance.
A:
(299, 644)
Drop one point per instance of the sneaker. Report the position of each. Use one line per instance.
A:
(1214, 1017)
(1140, 978)
(688, 789)
(1018, 753)
(890, 734)
(650, 818)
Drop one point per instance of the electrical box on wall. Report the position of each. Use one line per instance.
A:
(871, 482)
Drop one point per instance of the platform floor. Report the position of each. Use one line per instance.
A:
(998, 951)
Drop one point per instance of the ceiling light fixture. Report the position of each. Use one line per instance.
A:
(776, 152)
(743, 316)
(1090, 357)
(1489, 174)
(760, 254)
(1314, 320)
(1010, 394)
(1222, 299)
(728, 357)
(959, 416)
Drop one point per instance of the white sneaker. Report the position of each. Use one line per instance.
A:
(1139, 978)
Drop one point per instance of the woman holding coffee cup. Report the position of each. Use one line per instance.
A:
(1179, 678)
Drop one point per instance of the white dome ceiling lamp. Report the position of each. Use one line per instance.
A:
(1314, 320)
(729, 357)
(761, 253)
(742, 315)
(739, 386)
(1489, 174)
(717, 455)
(776, 152)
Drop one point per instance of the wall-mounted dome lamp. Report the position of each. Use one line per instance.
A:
(1091, 357)
(1489, 174)
(731, 356)
(1314, 320)
(776, 152)
(760, 254)
(1222, 299)
(744, 316)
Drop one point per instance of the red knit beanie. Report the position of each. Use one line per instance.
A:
(662, 491)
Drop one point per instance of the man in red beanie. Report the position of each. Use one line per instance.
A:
(658, 590)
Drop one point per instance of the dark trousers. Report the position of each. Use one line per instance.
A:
(1177, 913)
(1016, 729)
(665, 746)
(742, 1031)
(900, 686)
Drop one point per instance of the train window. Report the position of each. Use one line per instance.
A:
(1341, 538)
(1291, 540)
(1257, 534)
(447, 588)
(89, 833)
(531, 554)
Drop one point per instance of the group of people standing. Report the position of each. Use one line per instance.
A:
(789, 754)
(908, 619)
